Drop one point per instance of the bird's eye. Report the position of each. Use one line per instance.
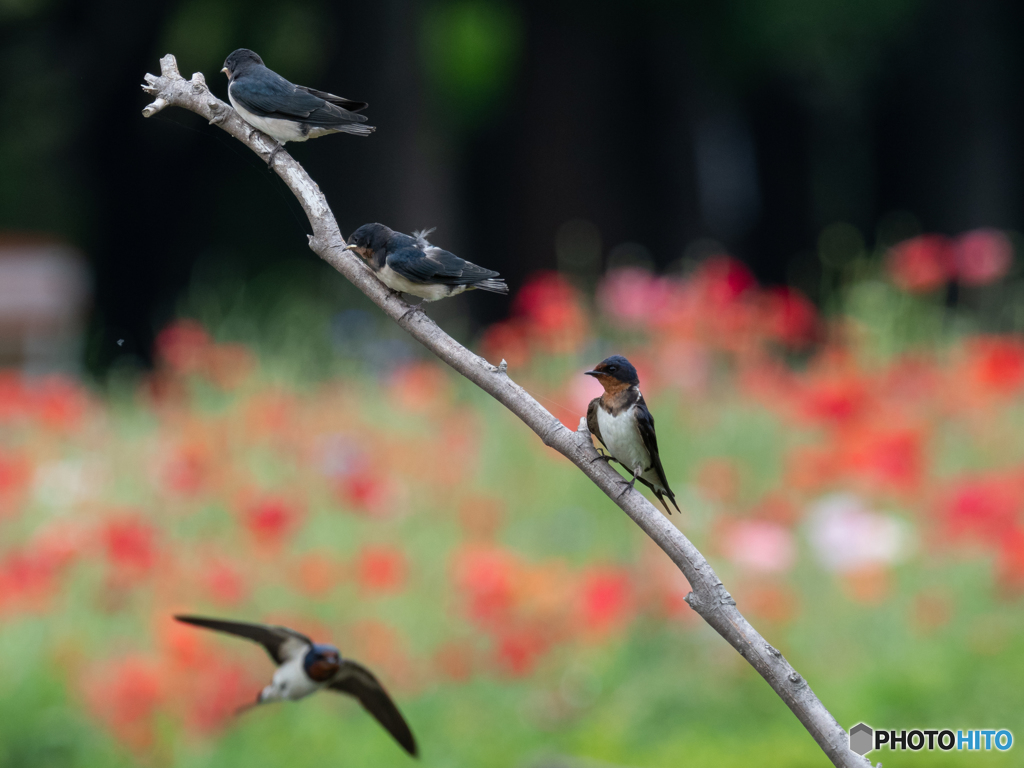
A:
(612, 368)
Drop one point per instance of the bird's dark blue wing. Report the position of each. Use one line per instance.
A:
(267, 94)
(434, 265)
(645, 425)
(356, 680)
(281, 643)
(341, 101)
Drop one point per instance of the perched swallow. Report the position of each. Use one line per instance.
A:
(412, 265)
(304, 667)
(620, 420)
(286, 111)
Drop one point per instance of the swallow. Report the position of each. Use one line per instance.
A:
(410, 264)
(304, 667)
(283, 110)
(621, 421)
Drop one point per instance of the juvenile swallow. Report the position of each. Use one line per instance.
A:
(304, 667)
(286, 111)
(410, 264)
(620, 420)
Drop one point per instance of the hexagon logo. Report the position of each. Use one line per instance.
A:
(862, 739)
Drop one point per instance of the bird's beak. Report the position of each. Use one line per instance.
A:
(350, 247)
(227, 72)
(592, 373)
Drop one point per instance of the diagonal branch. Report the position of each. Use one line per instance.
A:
(709, 597)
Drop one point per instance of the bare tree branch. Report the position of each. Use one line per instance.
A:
(709, 597)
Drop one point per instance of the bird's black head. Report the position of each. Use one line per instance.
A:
(239, 61)
(615, 373)
(369, 239)
(322, 662)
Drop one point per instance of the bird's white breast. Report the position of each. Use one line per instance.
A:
(290, 682)
(622, 438)
(282, 130)
(396, 282)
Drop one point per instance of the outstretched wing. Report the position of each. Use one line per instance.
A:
(592, 424)
(356, 680)
(434, 265)
(281, 643)
(645, 425)
(270, 95)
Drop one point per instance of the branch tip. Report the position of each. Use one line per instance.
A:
(503, 366)
(169, 67)
(153, 108)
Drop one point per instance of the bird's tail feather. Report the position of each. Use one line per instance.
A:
(492, 285)
(357, 129)
(671, 497)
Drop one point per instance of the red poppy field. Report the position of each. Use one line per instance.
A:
(857, 480)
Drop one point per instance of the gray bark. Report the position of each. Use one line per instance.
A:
(709, 597)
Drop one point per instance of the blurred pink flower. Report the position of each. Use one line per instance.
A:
(922, 263)
(633, 295)
(847, 536)
(760, 546)
(982, 256)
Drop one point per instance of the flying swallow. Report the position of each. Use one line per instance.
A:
(304, 667)
(410, 264)
(286, 111)
(620, 420)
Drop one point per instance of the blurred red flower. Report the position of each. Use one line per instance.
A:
(27, 582)
(518, 650)
(554, 312)
(455, 661)
(318, 573)
(724, 280)
(889, 458)
(507, 340)
(995, 364)
(271, 520)
(216, 694)
(182, 346)
(223, 582)
(124, 694)
(130, 546)
(982, 256)
(922, 264)
(485, 576)
(790, 318)
(228, 365)
(987, 507)
(606, 599)
(1010, 566)
(15, 473)
(418, 386)
(381, 569)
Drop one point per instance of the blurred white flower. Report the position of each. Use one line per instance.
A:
(62, 484)
(846, 535)
(760, 546)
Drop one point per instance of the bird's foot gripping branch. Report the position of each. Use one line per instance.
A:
(709, 597)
